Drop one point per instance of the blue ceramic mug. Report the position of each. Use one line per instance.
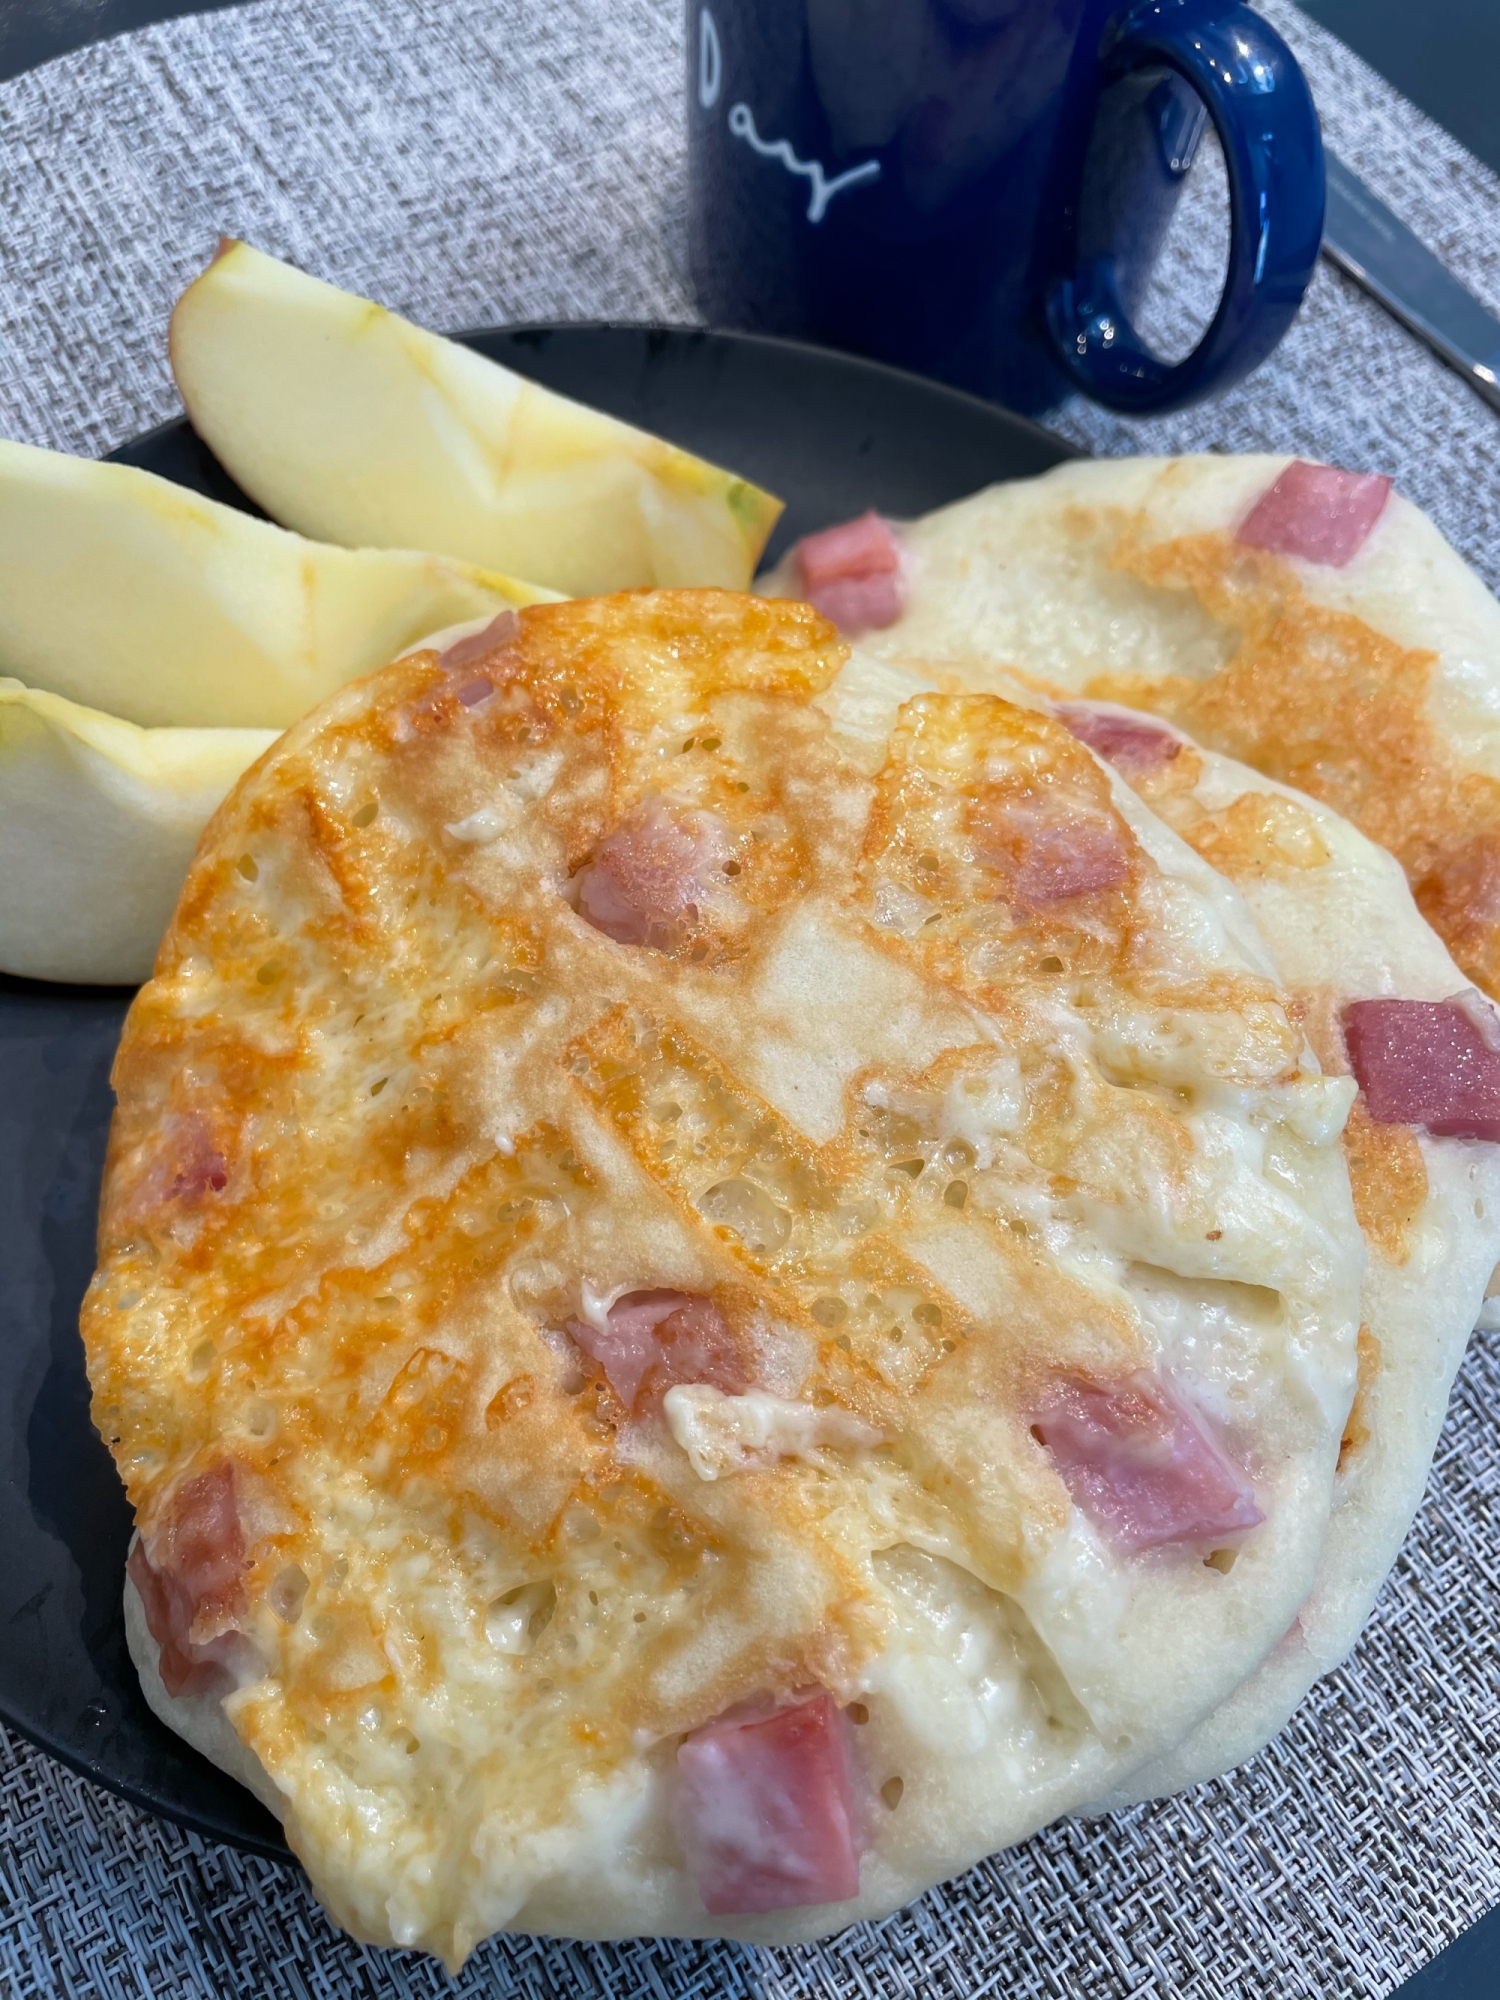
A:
(977, 189)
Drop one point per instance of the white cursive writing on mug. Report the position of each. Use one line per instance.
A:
(710, 61)
(821, 190)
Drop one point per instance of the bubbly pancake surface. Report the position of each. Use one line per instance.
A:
(640, 952)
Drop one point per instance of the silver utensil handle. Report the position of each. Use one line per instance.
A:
(1362, 237)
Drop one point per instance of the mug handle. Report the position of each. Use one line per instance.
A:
(1267, 124)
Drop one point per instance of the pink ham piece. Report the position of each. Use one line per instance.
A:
(196, 1167)
(1427, 1062)
(177, 1172)
(1134, 744)
(1143, 1464)
(192, 1584)
(650, 1340)
(1316, 512)
(852, 574)
(1047, 850)
(766, 1811)
(646, 880)
(479, 645)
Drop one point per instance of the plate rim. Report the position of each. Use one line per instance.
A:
(865, 364)
(270, 1847)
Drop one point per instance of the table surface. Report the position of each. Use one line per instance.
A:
(1443, 54)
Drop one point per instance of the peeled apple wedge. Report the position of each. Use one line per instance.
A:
(352, 425)
(99, 820)
(132, 595)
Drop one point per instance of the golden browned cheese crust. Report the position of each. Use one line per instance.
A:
(1318, 699)
(1357, 1429)
(389, 1104)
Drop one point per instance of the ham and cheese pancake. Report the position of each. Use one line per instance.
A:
(717, 1293)
(1381, 999)
(1308, 622)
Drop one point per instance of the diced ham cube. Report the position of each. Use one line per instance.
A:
(652, 1339)
(175, 1172)
(192, 1584)
(195, 1166)
(1143, 1464)
(626, 1346)
(859, 603)
(1078, 860)
(852, 574)
(479, 646)
(696, 1346)
(1426, 1062)
(1048, 850)
(766, 1812)
(862, 547)
(1316, 512)
(1134, 744)
(647, 879)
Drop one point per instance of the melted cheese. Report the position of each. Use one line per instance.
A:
(1370, 686)
(914, 1165)
(723, 1434)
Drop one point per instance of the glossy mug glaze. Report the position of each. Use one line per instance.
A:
(977, 189)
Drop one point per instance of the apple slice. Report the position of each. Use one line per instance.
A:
(135, 596)
(98, 822)
(350, 424)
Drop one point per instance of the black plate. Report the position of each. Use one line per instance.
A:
(834, 435)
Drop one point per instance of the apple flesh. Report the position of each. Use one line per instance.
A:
(357, 427)
(99, 821)
(135, 596)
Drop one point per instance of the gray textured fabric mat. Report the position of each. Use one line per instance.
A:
(471, 162)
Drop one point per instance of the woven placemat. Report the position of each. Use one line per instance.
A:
(470, 163)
